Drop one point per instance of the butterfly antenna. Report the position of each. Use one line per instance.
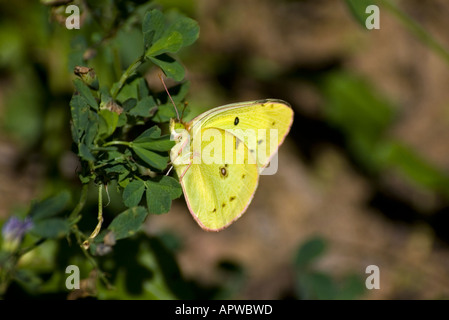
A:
(166, 90)
(183, 109)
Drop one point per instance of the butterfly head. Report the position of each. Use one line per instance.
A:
(176, 129)
(179, 134)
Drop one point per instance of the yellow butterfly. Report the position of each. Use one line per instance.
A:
(219, 155)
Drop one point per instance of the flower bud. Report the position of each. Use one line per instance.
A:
(87, 75)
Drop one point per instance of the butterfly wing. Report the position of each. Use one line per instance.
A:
(262, 125)
(217, 194)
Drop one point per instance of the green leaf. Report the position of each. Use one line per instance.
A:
(119, 168)
(162, 144)
(143, 107)
(105, 96)
(316, 285)
(151, 158)
(353, 105)
(152, 27)
(360, 113)
(158, 38)
(153, 133)
(164, 113)
(358, 9)
(123, 182)
(150, 139)
(85, 153)
(79, 110)
(133, 193)
(158, 201)
(170, 42)
(130, 89)
(50, 207)
(51, 228)
(416, 168)
(309, 251)
(113, 155)
(187, 27)
(122, 119)
(128, 222)
(92, 128)
(172, 68)
(129, 104)
(182, 91)
(28, 279)
(86, 93)
(108, 123)
(160, 194)
(352, 288)
(143, 89)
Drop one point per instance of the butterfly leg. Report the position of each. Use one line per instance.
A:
(191, 155)
(169, 170)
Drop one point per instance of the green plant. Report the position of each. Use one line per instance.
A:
(314, 284)
(116, 128)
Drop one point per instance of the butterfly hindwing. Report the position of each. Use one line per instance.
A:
(218, 193)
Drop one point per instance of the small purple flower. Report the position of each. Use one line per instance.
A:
(14, 229)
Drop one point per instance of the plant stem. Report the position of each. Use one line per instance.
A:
(83, 198)
(80, 236)
(417, 30)
(129, 72)
(112, 143)
(97, 229)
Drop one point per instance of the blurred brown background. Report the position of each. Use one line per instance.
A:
(325, 195)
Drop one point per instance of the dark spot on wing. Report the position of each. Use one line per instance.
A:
(223, 172)
(223, 205)
(215, 210)
(260, 141)
(226, 165)
(273, 123)
(231, 198)
(236, 121)
(243, 176)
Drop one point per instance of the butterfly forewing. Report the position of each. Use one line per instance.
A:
(219, 187)
(261, 125)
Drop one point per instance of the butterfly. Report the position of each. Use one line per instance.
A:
(220, 154)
